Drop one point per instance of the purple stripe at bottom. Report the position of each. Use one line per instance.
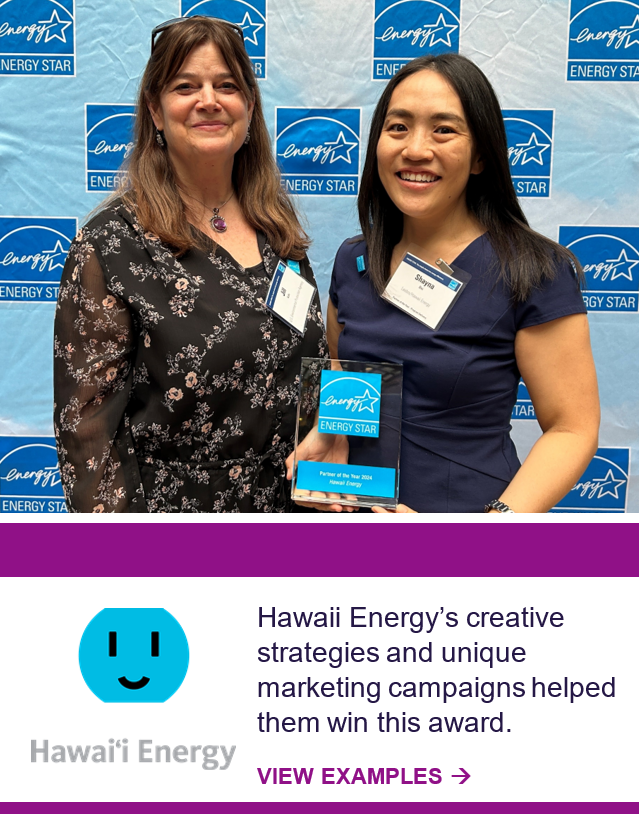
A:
(320, 807)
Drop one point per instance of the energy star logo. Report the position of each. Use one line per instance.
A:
(349, 403)
(29, 476)
(251, 17)
(529, 135)
(318, 150)
(523, 408)
(108, 141)
(37, 38)
(610, 258)
(412, 28)
(32, 256)
(603, 487)
(603, 41)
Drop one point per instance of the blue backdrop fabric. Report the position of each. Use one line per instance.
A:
(566, 73)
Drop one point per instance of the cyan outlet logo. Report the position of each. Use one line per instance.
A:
(350, 403)
(529, 135)
(610, 258)
(408, 29)
(603, 41)
(250, 17)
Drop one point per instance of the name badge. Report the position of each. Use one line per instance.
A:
(289, 297)
(423, 291)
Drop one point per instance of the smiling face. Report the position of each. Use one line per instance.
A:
(134, 655)
(202, 111)
(425, 153)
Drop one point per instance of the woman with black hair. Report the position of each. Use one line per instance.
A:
(436, 182)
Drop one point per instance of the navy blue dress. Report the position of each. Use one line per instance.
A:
(460, 382)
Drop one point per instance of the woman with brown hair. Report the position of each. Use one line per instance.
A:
(175, 385)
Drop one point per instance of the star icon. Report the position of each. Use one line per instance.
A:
(247, 25)
(52, 24)
(340, 148)
(608, 485)
(52, 254)
(367, 398)
(530, 147)
(445, 37)
(632, 29)
(622, 260)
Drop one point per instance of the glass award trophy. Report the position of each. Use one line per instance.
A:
(348, 433)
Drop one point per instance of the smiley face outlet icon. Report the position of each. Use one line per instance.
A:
(134, 655)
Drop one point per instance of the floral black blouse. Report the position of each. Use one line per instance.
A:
(175, 388)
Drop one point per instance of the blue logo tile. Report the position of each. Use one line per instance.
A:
(108, 142)
(610, 258)
(349, 403)
(318, 150)
(251, 17)
(37, 38)
(603, 41)
(523, 408)
(29, 476)
(412, 28)
(32, 256)
(529, 134)
(603, 487)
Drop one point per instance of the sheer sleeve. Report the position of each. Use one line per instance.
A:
(92, 382)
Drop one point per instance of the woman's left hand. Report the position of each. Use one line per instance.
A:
(401, 508)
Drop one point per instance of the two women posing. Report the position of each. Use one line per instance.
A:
(176, 388)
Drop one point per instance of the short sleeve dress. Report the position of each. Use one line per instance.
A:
(460, 382)
(175, 388)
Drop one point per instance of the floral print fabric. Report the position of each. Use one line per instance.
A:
(175, 388)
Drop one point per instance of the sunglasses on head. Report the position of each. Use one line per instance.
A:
(175, 20)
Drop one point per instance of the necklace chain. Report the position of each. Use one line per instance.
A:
(217, 222)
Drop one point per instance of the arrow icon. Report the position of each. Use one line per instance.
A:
(464, 776)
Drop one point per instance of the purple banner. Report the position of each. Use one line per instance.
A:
(319, 549)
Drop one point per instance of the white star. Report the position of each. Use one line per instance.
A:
(367, 398)
(632, 29)
(341, 149)
(55, 22)
(443, 38)
(252, 27)
(615, 485)
(58, 249)
(622, 260)
(531, 146)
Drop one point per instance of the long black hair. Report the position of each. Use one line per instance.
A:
(525, 257)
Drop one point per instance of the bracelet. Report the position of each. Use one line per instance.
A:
(495, 504)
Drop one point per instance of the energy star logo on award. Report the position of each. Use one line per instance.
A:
(250, 17)
(603, 41)
(318, 150)
(37, 38)
(412, 28)
(32, 256)
(529, 134)
(109, 141)
(29, 476)
(350, 403)
(610, 258)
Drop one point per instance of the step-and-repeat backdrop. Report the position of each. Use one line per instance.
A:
(566, 73)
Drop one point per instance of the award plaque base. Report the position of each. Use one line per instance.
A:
(348, 433)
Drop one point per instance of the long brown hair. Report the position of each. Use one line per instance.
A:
(525, 258)
(150, 186)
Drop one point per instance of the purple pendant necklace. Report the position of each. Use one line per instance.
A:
(217, 221)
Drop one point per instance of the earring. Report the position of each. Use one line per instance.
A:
(159, 138)
(248, 134)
